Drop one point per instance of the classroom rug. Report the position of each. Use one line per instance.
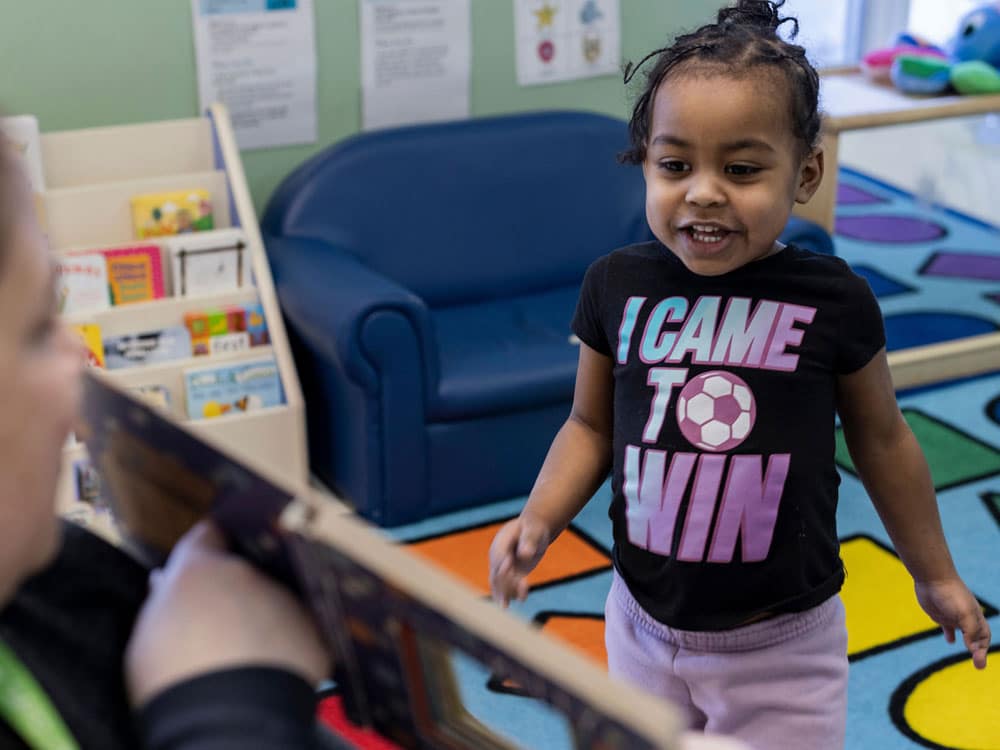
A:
(937, 275)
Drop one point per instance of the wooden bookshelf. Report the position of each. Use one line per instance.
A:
(91, 176)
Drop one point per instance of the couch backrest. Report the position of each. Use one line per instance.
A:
(471, 210)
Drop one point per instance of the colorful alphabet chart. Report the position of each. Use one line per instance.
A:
(562, 40)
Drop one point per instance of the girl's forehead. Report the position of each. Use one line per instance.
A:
(709, 102)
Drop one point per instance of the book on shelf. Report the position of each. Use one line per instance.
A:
(224, 330)
(232, 388)
(82, 283)
(90, 333)
(396, 626)
(169, 213)
(208, 263)
(148, 347)
(22, 134)
(135, 274)
(154, 394)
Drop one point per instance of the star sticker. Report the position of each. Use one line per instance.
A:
(545, 15)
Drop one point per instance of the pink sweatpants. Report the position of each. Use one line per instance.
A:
(778, 684)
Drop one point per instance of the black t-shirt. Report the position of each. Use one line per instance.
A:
(724, 484)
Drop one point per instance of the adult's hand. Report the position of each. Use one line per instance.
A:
(209, 610)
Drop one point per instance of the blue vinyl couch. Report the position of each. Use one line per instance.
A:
(428, 276)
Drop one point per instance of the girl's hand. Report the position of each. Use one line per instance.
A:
(516, 550)
(952, 606)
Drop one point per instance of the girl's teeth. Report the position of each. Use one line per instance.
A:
(706, 234)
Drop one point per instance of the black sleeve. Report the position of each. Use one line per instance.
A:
(587, 320)
(259, 707)
(861, 330)
(69, 625)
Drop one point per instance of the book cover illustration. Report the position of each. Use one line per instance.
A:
(226, 330)
(90, 333)
(82, 283)
(174, 212)
(135, 274)
(23, 135)
(154, 395)
(87, 482)
(257, 325)
(148, 347)
(208, 263)
(228, 389)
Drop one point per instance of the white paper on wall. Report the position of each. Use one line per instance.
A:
(258, 57)
(415, 61)
(563, 40)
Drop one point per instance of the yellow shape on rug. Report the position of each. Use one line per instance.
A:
(956, 707)
(879, 599)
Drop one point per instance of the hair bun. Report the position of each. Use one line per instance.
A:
(761, 14)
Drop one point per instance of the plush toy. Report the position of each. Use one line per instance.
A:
(970, 64)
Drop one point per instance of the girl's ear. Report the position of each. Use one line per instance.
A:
(810, 176)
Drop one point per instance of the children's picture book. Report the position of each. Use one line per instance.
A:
(135, 274)
(154, 395)
(227, 330)
(90, 333)
(170, 213)
(232, 388)
(208, 263)
(87, 482)
(229, 343)
(396, 625)
(134, 349)
(23, 135)
(257, 325)
(82, 283)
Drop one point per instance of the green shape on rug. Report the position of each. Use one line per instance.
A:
(954, 457)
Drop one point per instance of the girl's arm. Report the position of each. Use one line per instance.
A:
(895, 473)
(577, 463)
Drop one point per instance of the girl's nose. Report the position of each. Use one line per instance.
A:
(705, 191)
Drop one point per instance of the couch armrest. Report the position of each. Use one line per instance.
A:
(367, 360)
(330, 298)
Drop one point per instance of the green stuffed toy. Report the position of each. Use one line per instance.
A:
(970, 64)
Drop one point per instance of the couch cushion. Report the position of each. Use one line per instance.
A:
(507, 354)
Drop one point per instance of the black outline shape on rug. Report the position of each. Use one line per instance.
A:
(966, 435)
(993, 410)
(922, 271)
(992, 507)
(904, 288)
(495, 683)
(993, 297)
(988, 610)
(945, 231)
(897, 702)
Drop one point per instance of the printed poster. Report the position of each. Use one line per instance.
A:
(258, 57)
(563, 40)
(415, 61)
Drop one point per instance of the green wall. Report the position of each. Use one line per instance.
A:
(83, 63)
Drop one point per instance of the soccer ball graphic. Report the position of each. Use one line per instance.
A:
(716, 411)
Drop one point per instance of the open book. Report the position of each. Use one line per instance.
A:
(393, 621)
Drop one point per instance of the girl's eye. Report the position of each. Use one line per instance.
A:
(742, 170)
(673, 165)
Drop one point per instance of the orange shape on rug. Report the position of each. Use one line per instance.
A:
(465, 554)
